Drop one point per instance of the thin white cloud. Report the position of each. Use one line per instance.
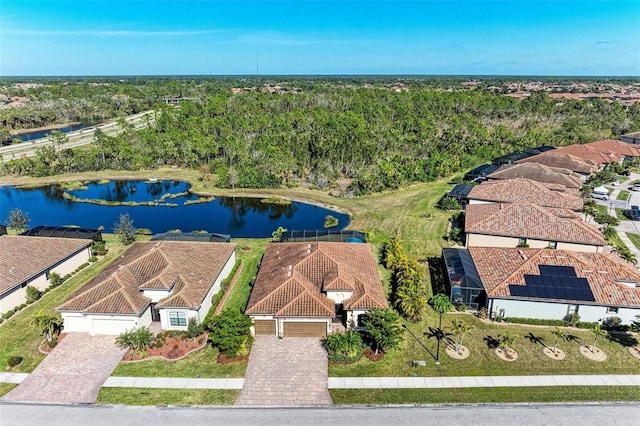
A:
(111, 33)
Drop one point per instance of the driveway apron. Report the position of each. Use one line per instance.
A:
(72, 373)
(290, 371)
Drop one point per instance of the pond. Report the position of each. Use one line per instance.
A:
(169, 205)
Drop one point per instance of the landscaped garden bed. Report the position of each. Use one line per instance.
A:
(170, 346)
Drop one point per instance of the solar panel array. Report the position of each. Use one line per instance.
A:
(554, 282)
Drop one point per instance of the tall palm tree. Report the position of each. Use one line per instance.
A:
(459, 329)
(47, 324)
(560, 335)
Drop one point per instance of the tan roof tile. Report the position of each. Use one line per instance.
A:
(188, 268)
(564, 161)
(538, 173)
(22, 258)
(293, 277)
(531, 221)
(593, 153)
(499, 268)
(527, 191)
(619, 147)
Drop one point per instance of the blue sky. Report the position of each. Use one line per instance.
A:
(507, 37)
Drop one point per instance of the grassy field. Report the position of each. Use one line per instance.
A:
(623, 195)
(483, 361)
(19, 337)
(143, 396)
(201, 363)
(484, 395)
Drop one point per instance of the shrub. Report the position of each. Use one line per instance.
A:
(92, 259)
(33, 294)
(12, 361)
(159, 343)
(55, 279)
(461, 308)
(194, 328)
(482, 313)
(449, 203)
(573, 318)
(344, 347)
(8, 314)
(230, 332)
(536, 321)
(99, 248)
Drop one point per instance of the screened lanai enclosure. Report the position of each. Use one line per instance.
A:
(65, 232)
(466, 287)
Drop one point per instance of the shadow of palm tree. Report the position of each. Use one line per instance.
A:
(573, 338)
(624, 338)
(535, 339)
(491, 341)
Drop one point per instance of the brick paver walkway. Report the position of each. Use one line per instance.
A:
(72, 373)
(291, 371)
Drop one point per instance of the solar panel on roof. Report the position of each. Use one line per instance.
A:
(554, 282)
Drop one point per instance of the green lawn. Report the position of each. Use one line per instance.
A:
(635, 239)
(5, 388)
(485, 395)
(240, 293)
(144, 396)
(483, 361)
(201, 363)
(620, 214)
(19, 337)
(623, 195)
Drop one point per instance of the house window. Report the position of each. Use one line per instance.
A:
(553, 244)
(177, 319)
(612, 310)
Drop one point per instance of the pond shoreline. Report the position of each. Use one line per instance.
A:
(178, 174)
(19, 132)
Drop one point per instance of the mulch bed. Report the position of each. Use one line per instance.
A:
(369, 353)
(173, 348)
(44, 346)
(224, 359)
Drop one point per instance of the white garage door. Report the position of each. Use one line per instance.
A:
(112, 326)
(75, 324)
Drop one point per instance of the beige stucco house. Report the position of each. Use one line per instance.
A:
(307, 289)
(168, 282)
(28, 261)
(516, 224)
(526, 191)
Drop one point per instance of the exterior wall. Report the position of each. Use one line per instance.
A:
(165, 323)
(471, 201)
(546, 310)
(19, 295)
(104, 324)
(280, 323)
(479, 240)
(352, 318)
(206, 303)
(156, 295)
(339, 296)
(590, 313)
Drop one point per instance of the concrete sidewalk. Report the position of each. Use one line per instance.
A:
(372, 382)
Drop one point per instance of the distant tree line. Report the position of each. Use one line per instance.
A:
(352, 139)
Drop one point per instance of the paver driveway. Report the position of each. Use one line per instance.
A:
(72, 373)
(291, 371)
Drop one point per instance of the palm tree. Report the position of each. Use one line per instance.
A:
(560, 335)
(47, 324)
(626, 254)
(459, 329)
(597, 331)
(506, 341)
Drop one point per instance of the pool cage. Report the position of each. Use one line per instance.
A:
(325, 235)
(65, 232)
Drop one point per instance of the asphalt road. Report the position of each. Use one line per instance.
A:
(493, 415)
(76, 138)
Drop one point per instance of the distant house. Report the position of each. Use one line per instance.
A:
(167, 282)
(480, 172)
(597, 154)
(563, 160)
(515, 224)
(28, 261)
(623, 149)
(460, 192)
(511, 158)
(633, 138)
(539, 173)
(544, 284)
(526, 191)
(308, 289)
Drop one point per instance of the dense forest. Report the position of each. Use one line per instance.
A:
(352, 137)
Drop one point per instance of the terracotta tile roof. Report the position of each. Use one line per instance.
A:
(189, 269)
(294, 276)
(562, 160)
(586, 152)
(527, 191)
(539, 173)
(619, 147)
(23, 258)
(500, 268)
(531, 221)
